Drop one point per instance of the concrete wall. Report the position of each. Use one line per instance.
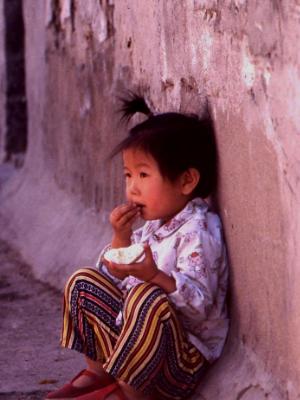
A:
(241, 56)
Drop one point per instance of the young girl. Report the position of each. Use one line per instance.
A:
(149, 328)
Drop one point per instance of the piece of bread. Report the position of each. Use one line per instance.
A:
(126, 255)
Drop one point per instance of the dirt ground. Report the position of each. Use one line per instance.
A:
(32, 362)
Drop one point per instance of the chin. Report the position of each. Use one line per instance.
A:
(150, 218)
(146, 217)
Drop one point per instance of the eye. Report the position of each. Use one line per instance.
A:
(127, 175)
(143, 175)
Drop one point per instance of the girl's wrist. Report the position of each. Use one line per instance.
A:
(155, 274)
(166, 282)
(121, 240)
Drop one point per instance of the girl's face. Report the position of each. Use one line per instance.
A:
(145, 186)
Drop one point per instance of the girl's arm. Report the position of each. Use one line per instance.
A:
(146, 271)
(122, 219)
(100, 265)
(201, 273)
(166, 282)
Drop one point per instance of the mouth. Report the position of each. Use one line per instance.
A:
(140, 206)
(141, 209)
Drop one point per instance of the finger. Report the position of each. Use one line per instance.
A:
(148, 251)
(116, 272)
(121, 219)
(122, 209)
(112, 267)
(105, 262)
(129, 217)
(119, 267)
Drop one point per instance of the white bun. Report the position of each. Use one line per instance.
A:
(125, 255)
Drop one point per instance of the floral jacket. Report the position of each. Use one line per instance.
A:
(190, 248)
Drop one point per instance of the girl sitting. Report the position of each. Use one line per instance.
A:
(148, 329)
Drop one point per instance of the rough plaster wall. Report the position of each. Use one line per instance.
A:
(2, 82)
(238, 54)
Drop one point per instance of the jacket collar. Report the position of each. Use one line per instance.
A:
(159, 231)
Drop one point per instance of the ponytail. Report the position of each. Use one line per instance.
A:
(133, 104)
(175, 141)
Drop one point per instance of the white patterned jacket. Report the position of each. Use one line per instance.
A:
(190, 248)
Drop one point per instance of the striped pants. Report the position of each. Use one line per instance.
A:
(148, 351)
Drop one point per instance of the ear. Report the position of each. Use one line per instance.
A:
(189, 180)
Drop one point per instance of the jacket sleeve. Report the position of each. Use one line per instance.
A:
(102, 268)
(196, 274)
(135, 238)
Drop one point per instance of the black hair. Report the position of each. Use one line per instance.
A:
(175, 141)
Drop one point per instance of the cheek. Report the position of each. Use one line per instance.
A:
(127, 193)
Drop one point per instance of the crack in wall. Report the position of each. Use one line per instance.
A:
(55, 22)
(108, 8)
(72, 11)
(246, 390)
(16, 104)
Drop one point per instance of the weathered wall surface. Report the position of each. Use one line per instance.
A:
(240, 55)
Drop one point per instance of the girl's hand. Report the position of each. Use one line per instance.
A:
(122, 219)
(117, 272)
(145, 270)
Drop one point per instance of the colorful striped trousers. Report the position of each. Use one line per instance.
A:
(148, 350)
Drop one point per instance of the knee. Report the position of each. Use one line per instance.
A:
(146, 295)
(78, 275)
(84, 276)
(147, 289)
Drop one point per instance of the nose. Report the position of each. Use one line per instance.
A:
(132, 189)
